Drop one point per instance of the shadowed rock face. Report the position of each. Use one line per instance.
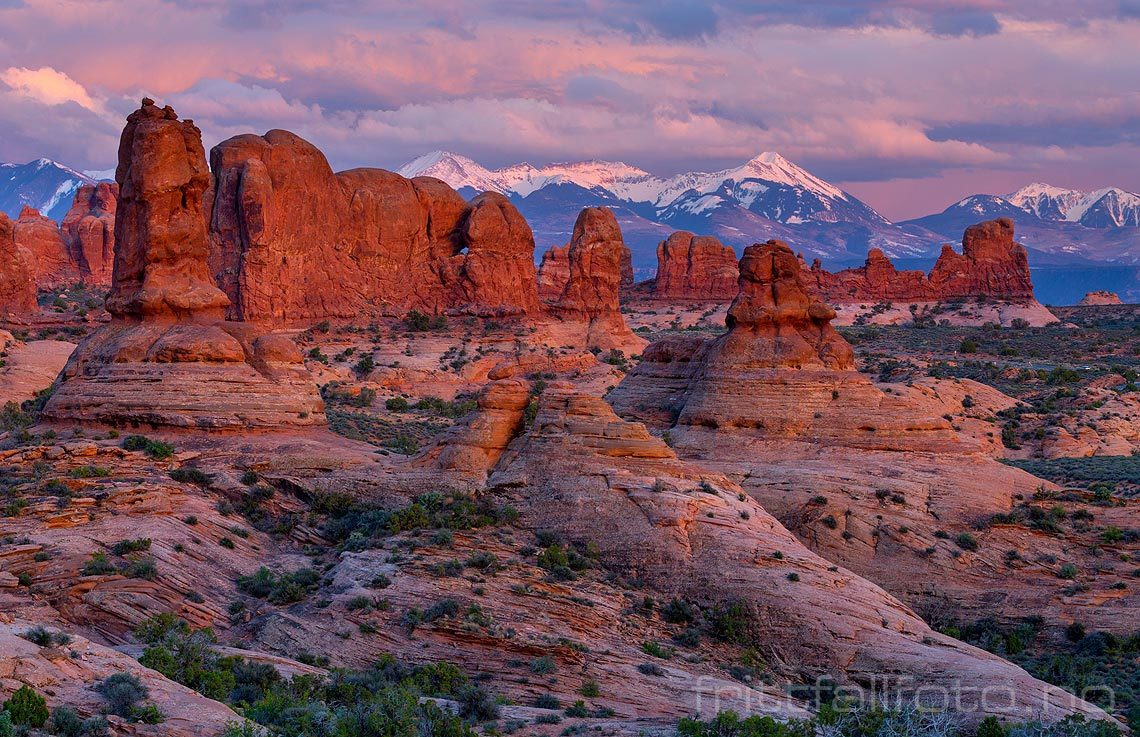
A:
(291, 240)
(990, 265)
(88, 231)
(167, 357)
(17, 290)
(695, 267)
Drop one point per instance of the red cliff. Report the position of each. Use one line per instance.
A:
(88, 231)
(695, 267)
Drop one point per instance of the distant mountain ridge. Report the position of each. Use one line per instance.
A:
(43, 184)
(765, 197)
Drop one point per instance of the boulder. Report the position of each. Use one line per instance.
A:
(167, 357)
(692, 267)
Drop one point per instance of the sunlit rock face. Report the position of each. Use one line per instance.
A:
(168, 357)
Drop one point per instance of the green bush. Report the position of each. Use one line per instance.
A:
(27, 708)
(137, 545)
(285, 588)
(153, 448)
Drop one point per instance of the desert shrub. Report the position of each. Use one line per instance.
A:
(153, 448)
(195, 476)
(285, 588)
(99, 565)
(731, 621)
(122, 547)
(123, 692)
(27, 708)
(43, 637)
(966, 541)
(396, 404)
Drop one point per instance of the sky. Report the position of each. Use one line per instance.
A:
(908, 104)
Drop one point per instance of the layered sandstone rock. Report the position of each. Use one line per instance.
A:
(553, 273)
(692, 267)
(583, 475)
(591, 291)
(17, 290)
(875, 281)
(38, 237)
(874, 478)
(168, 357)
(1100, 297)
(291, 240)
(991, 265)
(88, 231)
(781, 371)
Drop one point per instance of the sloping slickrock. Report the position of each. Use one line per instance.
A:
(590, 478)
(67, 675)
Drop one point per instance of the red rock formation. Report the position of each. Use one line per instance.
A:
(1100, 297)
(167, 357)
(37, 236)
(991, 265)
(695, 267)
(161, 248)
(781, 371)
(775, 322)
(876, 281)
(626, 268)
(594, 257)
(89, 231)
(553, 273)
(17, 290)
(291, 240)
(590, 295)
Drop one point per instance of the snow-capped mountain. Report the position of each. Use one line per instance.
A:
(769, 185)
(1109, 207)
(44, 184)
(765, 197)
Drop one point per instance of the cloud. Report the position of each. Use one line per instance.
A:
(48, 86)
(885, 91)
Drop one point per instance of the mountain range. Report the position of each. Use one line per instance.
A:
(770, 196)
(766, 197)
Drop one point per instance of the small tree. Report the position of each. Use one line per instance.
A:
(26, 707)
